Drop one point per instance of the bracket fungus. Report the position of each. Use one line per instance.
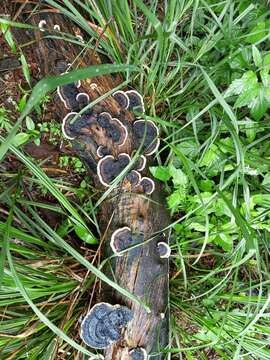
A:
(123, 238)
(134, 178)
(147, 185)
(138, 354)
(74, 127)
(135, 101)
(109, 168)
(66, 128)
(113, 127)
(82, 99)
(122, 99)
(146, 133)
(68, 94)
(102, 151)
(164, 250)
(141, 163)
(144, 184)
(102, 326)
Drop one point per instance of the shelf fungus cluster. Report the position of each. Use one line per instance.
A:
(117, 146)
(112, 139)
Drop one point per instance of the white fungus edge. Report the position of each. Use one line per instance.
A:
(144, 163)
(113, 238)
(78, 36)
(142, 350)
(82, 94)
(86, 317)
(41, 25)
(99, 154)
(140, 96)
(157, 137)
(162, 315)
(168, 253)
(56, 27)
(125, 130)
(152, 182)
(140, 177)
(124, 93)
(64, 123)
(99, 171)
(62, 97)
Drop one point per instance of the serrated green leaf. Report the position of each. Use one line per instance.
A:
(160, 172)
(246, 82)
(210, 156)
(257, 33)
(259, 106)
(206, 185)
(225, 241)
(178, 176)
(266, 60)
(175, 199)
(247, 96)
(189, 148)
(264, 74)
(257, 58)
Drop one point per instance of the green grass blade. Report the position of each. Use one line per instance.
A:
(40, 315)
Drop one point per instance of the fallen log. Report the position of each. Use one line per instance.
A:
(111, 140)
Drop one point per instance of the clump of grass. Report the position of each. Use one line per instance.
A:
(205, 78)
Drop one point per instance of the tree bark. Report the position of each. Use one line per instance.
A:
(140, 270)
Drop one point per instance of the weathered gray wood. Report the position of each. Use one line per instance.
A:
(140, 270)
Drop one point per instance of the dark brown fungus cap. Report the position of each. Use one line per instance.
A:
(138, 354)
(164, 250)
(102, 325)
(123, 239)
(121, 98)
(73, 127)
(102, 151)
(67, 127)
(135, 101)
(113, 127)
(148, 185)
(140, 164)
(146, 132)
(134, 177)
(68, 94)
(82, 100)
(109, 168)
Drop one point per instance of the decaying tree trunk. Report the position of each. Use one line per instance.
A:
(133, 213)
